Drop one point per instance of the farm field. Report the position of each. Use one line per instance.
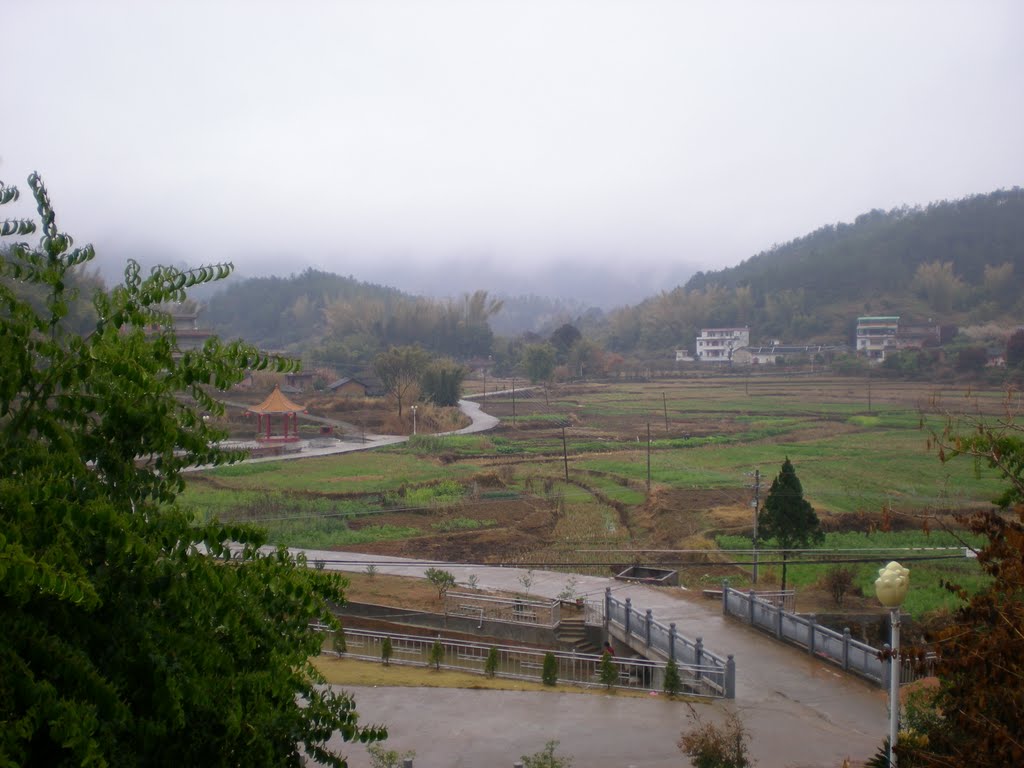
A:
(594, 477)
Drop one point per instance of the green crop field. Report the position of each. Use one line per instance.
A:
(859, 446)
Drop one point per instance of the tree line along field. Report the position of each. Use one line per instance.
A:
(503, 496)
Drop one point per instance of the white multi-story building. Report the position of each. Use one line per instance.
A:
(876, 336)
(717, 344)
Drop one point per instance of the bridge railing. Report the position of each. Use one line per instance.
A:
(527, 663)
(838, 648)
(645, 630)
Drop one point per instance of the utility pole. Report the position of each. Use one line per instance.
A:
(664, 405)
(513, 399)
(565, 456)
(757, 505)
(648, 457)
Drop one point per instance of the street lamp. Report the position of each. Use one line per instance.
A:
(891, 588)
(413, 418)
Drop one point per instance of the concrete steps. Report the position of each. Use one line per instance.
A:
(572, 635)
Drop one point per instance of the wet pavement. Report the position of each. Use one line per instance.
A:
(800, 711)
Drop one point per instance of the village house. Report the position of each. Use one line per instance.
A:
(718, 344)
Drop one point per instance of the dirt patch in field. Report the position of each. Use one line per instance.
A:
(509, 527)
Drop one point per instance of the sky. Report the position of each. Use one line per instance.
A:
(390, 139)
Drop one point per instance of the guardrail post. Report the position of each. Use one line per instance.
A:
(629, 610)
(778, 620)
(812, 626)
(730, 678)
(672, 640)
(698, 655)
(725, 596)
(846, 649)
(648, 620)
(750, 607)
(886, 666)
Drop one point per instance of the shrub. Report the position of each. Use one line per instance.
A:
(672, 684)
(436, 654)
(442, 580)
(839, 581)
(549, 673)
(388, 758)
(608, 672)
(491, 665)
(713, 746)
(385, 651)
(340, 646)
(546, 758)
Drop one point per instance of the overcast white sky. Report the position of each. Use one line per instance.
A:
(353, 132)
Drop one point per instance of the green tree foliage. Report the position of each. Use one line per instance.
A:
(971, 359)
(547, 758)
(491, 664)
(386, 651)
(277, 312)
(717, 746)
(400, 370)
(130, 634)
(865, 263)
(672, 683)
(787, 517)
(539, 362)
(549, 670)
(441, 579)
(607, 671)
(563, 339)
(441, 382)
(436, 655)
(939, 285)
(980, 698)
(1015, 350)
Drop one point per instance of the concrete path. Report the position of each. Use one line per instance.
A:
(307, 449)
(800, 711)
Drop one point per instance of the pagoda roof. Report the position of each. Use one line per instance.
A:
(276, 402)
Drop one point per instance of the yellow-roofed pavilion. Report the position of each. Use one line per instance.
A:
(277, 403)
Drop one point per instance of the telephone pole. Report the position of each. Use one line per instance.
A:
(757, 505)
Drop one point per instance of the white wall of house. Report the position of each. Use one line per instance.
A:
(717, 344)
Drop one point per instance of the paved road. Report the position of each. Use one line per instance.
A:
(306, 449)
(801, 712)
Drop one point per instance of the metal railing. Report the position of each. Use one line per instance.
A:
(839, 648)
(667, 642)
(517, 663)
(540, 613)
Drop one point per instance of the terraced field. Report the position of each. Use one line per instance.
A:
(598, 476)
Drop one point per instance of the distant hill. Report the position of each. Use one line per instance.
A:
(952, 262)
(279, 312)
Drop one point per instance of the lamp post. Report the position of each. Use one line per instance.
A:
(413, 407)
(891, 588)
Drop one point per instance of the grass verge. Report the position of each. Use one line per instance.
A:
(342, 671)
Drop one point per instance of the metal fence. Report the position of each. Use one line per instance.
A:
(527, 663)
(540, 613)
(836, 647)
(667, 642)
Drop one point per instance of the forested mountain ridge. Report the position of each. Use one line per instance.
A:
(277, 312)
(958, 261)
(954, 262)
